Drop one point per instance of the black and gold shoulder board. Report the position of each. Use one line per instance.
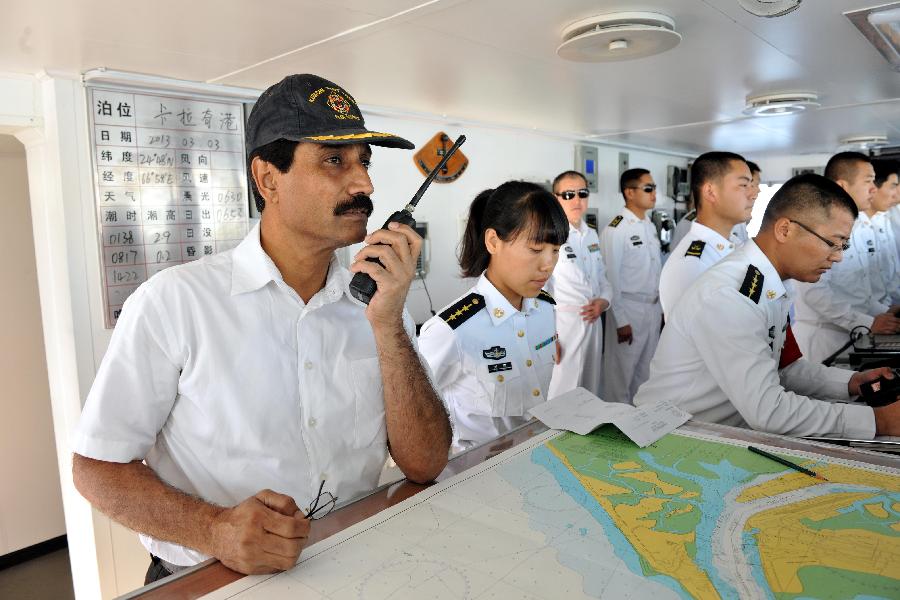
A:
(546, 297)
(461, 311)
(615, 222)
(592, 226)
(696, 248)
(753, 284)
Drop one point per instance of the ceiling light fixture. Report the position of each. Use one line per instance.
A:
(881, 27)
(863, 141)
(774, 105)
(618, 36)
(769, 8)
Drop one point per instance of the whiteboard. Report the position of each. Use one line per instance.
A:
(170, 183)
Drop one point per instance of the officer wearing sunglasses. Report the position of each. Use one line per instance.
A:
(631, 250)
(581, 291)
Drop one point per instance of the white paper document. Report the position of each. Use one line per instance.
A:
(581, 412)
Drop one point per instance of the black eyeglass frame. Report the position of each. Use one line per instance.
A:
(327, 506)
(570, 194)
(833, 246)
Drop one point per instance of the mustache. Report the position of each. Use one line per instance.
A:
(360, 202)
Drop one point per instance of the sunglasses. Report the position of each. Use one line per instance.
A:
(569, 194)
(646, 188)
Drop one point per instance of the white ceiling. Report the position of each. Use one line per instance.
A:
(495, 61)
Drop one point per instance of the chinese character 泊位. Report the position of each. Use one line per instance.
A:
(163, 113)
(104, 108)
(125, 136)
(124, 109)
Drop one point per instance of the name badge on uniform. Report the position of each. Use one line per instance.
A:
(871, 245)
(494, 353)
(499, 367)
(547, 342)
(594, 248)
(570, 255)
(636, 240)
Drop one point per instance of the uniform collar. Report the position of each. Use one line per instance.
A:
(252, 269)
(498, 307)
(773, 286)
(582, 227)
(710, 236)
(631, 216)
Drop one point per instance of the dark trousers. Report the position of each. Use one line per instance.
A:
(156, 571)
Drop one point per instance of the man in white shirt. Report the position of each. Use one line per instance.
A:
(727, 354)
(844, 298)
(255, 370)
(720, 184)
(631, 251)
(581, 291)
(885, 270)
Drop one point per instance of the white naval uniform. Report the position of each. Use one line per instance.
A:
(633, 259)
(491, 362)
(842, 299)
(886, 267)
(579, 278)
(697, 251)
(739, 234)
(720, 358)
(894, 218)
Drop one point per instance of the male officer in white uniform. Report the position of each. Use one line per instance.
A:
(255, 370)
(885, 270)
(581, 291)
(844, 298)
(719, 183)
(633, 260)
(727, 354)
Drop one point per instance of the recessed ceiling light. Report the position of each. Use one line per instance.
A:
(618, 36)
(787, 103)
(769, 8)
(863, 141)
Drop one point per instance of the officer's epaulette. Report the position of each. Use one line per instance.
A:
(696, 248)
(615, 222)
(592, 226)
(753, 284)
(546, 297)
(691, 216)
(462, 310)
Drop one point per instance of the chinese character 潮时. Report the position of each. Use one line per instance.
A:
(106, 155)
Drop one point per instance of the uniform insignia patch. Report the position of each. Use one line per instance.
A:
(594, 248)
(696, 248)
(592, 226)
(461, 311)
(546, 297)
(494, 353)
(507, 366)
(615, 222)
(547, 342)
(752, 286)
(569, 249)
(498, 312)
(720, 247)
(571, 256)
(770, 294)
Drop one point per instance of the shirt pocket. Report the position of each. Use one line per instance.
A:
(370, 428)
(501, 384)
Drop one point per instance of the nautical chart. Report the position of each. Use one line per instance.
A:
(567, 516)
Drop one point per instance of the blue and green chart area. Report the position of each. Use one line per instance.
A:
(708, 519)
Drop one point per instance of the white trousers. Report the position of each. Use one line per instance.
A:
(582, 349)
(626, 366)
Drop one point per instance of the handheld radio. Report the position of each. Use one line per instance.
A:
(362, 286)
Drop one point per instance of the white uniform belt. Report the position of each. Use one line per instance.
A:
(639, 297)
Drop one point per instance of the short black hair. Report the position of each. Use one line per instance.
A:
(806, 194)
(884, 168)
(754, 168)
(711, 166)
(514, 208)
(280, 154)
(565, 174)
(630, 178)
(843, 165)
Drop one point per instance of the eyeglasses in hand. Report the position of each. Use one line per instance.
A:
(570, 194)
(322, 505)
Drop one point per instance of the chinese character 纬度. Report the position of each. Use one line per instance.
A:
(124, 109)
(104, 108)
(127, 156)
(163, 113)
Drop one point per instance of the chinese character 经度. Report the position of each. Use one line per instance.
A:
(128, 176)
(127, 156)
(108, 176)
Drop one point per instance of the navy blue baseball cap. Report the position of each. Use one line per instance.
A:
(308, 108)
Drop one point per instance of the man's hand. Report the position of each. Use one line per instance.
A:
(558, 356)
(591, 311)
(887, 419)
(625, 334)
(398, 250)
(865, 377)
(263, 534)
(886, 323)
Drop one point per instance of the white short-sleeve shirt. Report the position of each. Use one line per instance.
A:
(700, 249)
(225, 382)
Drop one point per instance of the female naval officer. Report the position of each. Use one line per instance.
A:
(492, 351)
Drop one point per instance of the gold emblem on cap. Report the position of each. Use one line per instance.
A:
(770, 294)
(498, 312)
